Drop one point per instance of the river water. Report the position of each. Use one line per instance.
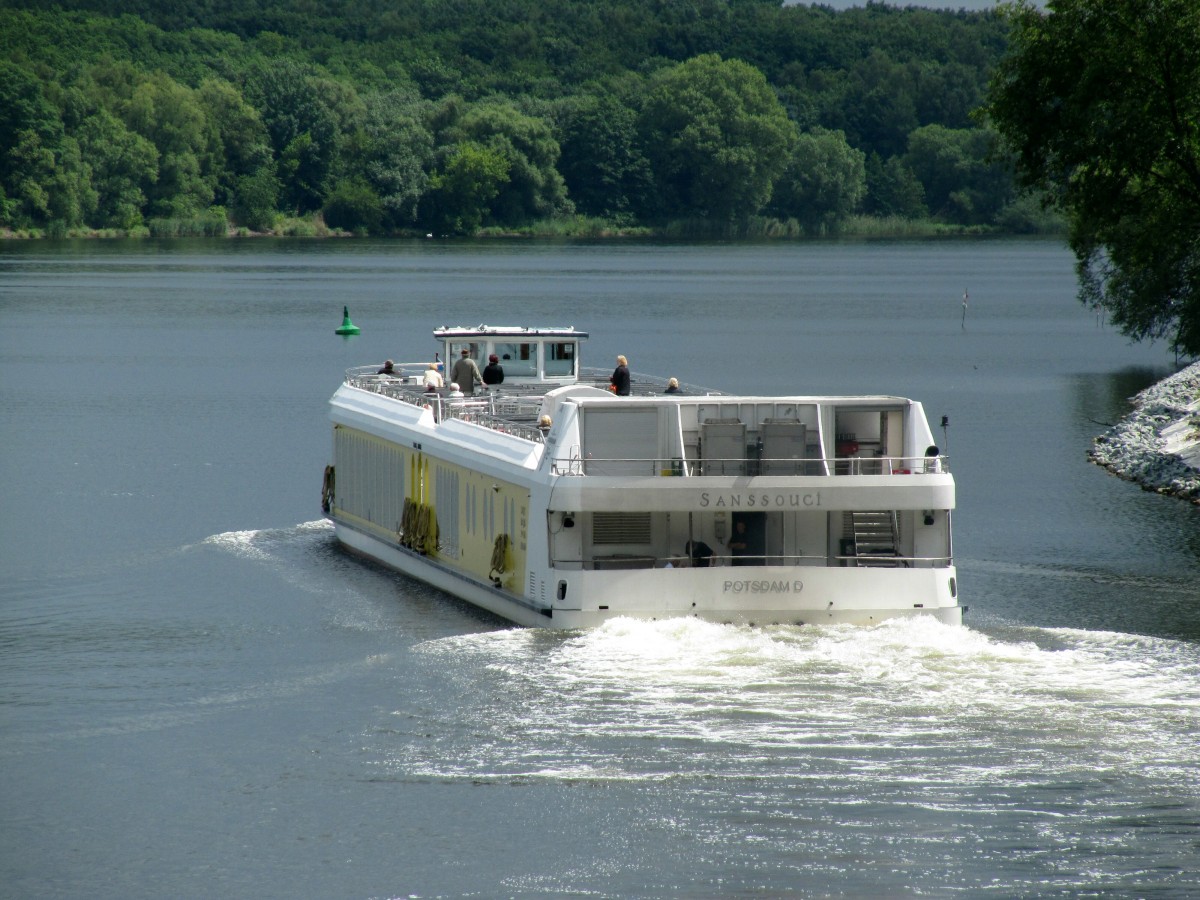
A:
(201, 696)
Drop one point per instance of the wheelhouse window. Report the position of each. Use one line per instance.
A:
(456, 349)
(517, 358)
(560, 358)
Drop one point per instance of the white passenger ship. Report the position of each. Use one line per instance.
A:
(551, 502)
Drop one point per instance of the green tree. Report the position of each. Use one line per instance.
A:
(461, 194)
(965, 180)
(875, 103)
(300, 110)
(602, 163)
(717, 138)
(893, 189)
(392, 152)
(124, 166)
(32, 147)
(533, 187)
(168, 115)
(824, 182)
(238, 142)
(257, 199)
(1100, 101)
(353, 205)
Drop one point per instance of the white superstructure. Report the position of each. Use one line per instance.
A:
(554, 503)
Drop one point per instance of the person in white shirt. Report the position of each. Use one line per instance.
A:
(432, 378)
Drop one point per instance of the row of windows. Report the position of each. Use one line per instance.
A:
(370, 477)
(521, 357)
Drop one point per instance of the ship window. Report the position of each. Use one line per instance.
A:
(620, 528)
(560, 358)
(456, 349)
(446, 509)
(517, 358)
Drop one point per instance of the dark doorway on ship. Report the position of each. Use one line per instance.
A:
(748, 540)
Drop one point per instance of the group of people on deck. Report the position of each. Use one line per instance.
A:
(700, 556)
(464, 375)
(619, 383)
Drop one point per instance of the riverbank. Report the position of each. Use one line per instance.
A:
(1158, 444)
(756, 228)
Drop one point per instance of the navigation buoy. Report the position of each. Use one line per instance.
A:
(347, 327)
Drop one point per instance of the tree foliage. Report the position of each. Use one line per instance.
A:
(1100, 102)
(824, 182)
(717, 138)
(412, 114)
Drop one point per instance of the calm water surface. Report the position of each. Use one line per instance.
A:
(200, 695)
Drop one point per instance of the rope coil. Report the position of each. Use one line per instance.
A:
(418, 526)
(499, 557)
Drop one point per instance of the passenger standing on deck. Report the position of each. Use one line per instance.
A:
(493, 372)
(672, 386)
(466, 373)
(699, 553)
(432, 378)
(738, 544)
(389, 368)
(620, 377)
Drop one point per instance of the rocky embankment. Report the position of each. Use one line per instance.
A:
(1158, 444)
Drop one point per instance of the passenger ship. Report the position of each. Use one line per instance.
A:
(551, 502)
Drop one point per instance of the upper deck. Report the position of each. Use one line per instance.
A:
(582, 429)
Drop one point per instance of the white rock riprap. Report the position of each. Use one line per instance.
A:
(1158, 444)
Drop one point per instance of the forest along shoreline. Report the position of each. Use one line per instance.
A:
(1158, 444)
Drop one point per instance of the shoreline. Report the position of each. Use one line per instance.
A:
(1157, 445)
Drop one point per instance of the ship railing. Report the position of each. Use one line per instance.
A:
(641, 384)
(740, 466)
(823, 560)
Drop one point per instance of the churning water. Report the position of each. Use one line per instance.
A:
(200, 694)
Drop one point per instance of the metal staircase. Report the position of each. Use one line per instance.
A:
(876, 538)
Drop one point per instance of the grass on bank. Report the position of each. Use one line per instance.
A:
(214, 223)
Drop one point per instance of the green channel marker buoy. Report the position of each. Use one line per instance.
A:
(347, 327)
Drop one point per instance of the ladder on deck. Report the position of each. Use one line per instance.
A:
(876, 538)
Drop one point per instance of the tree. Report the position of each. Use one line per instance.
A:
(966, 181)
(392, 153)
(893, 189)
(36, 184)
(717, 138)
(124, 167)
(168, 115)
(604, 168)
(1100, 101)
(304, 115)
(461, 194)
(533, 188)
(824, 182)
(238, 139)
(354, 206)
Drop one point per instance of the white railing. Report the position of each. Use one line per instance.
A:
(740, 466)
(718, 561)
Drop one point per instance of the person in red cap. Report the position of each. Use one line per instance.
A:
(493, 372)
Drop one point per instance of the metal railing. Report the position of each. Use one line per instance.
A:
(722, 561)
(514, 408)
(740, 466)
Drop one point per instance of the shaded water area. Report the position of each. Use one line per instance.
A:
(200, 694)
